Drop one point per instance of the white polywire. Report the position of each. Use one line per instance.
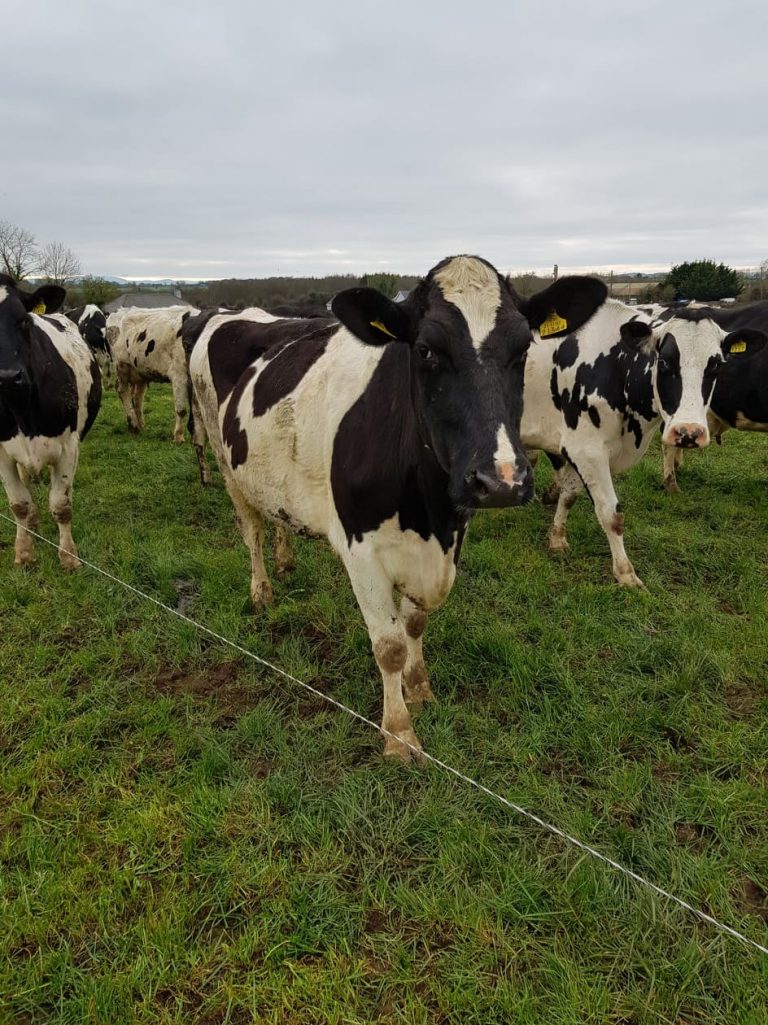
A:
(572, 840)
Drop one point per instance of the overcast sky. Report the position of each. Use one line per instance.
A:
(246, 138)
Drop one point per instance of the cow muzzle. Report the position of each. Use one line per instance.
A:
(687, 436)
(499, 487)
(12, 380)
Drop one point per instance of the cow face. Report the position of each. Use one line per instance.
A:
(468, 344)
(93, 328)
(688, 355)
(15, 326)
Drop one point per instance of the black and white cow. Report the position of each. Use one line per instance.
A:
(599, 380)
(146, 346)
(50, 392)
(92, 324)
(384, 448)
(233, 324)
(740, 399)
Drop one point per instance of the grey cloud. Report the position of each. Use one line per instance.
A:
(241, 138)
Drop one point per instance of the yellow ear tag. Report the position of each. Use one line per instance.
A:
(380, 327)
(738, 347)
(552, 325)
(39, 309)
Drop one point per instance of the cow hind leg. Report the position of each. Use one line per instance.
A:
(125, 393)
(23, 509)
(251, 524)
(284, 561)
(199, 437)
(416, 689)
(179, 387)
(569, 489)
(138, 391)
(60, 504)
(595, 472)
(373, 591)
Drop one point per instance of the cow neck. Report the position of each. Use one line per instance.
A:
(50, 406)
(383, 465)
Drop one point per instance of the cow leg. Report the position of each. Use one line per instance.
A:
(283, 551)
(251, 524)
(23, 509)
(138, 391)
(416, 689)
(199, 438)
(125, 393)
(595, 472)
(569, 488)
(60, 504)
(551, 494)
(373, 591)
(672, 458)
(179, 386)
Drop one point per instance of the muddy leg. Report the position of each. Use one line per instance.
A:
(416, 689)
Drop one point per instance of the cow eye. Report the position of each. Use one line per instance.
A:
(424, 353)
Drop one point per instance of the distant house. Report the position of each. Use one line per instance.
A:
(147, 301)
(401, 295)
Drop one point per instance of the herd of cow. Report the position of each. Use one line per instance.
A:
(384, 428)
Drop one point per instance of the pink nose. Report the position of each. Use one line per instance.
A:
(688, 436)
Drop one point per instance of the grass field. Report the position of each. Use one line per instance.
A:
(185, 838)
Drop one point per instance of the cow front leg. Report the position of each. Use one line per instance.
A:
(179, 387)
(22, 507)
(595, 471)
(416, 689)
(125, 394)
(60, 504)
(569, 489)
(672, 458)
(373, 591)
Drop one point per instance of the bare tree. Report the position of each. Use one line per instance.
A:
(18, 251)
(58, 264)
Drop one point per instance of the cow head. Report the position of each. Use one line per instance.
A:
(93, 327)
(15, 325)
(687, 354)
(468, 344)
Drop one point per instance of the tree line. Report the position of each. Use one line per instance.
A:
(22, 256)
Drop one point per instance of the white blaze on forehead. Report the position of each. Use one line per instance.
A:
(4, 293)
(697, 343)
(473, 287)
(505, 457)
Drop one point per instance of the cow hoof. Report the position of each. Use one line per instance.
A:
(205, 479)
(134, 428)
(558, 543)
(24, 559)
(404, 747)
(261, 594)
(69, 562)
(631, 580)
(671, 486)
(284, 566)
(178, 440)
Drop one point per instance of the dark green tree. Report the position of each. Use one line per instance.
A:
(97, 290)
(384, 282)
(704, 280)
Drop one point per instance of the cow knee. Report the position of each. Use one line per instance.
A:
(617, 523)
(416, 624)
(62, 512)
(390, 652)
(21, 510)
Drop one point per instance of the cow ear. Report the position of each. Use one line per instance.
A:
(743, 344)
(371, 317)
(637, 336)
(564, 306)
(46, 299)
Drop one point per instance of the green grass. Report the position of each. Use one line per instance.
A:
(186, 838)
